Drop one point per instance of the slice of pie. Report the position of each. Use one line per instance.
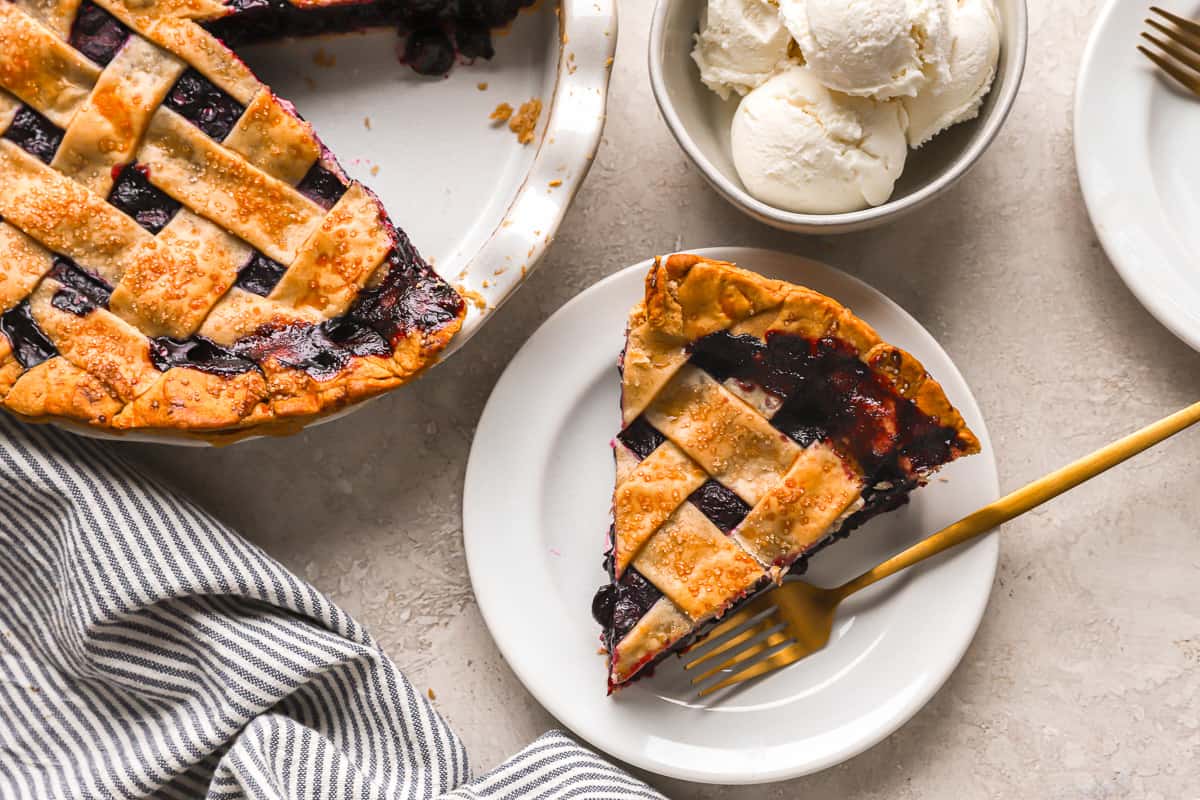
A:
(178, 250)
(761, 421)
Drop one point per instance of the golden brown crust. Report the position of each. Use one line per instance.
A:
(23, 262)
(648, 495)
(800, 509)
(25, 47)
(339, 256)
(109, 125)
(274, 140)
(696, 565)
(662, 626)
(226, 188)
(58, 388)
(188, 399)
(733, 443)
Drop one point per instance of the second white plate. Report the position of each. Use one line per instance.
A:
(535, 517)
(1135, 149)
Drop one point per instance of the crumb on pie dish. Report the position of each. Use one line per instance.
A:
(179, 252)
(761, 421)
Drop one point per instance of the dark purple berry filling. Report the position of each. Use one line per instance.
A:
(30, 344)
(202, 103)
(133, 193)
(429, 51)
(435, 29)
(320, 350)
(619, 605)
(829, 393)
(322, 186)
(723, 507)
(97, 34)
(641, 437)
(410, 297)
(197, 353)
(34, 134)
(260, 274)
(81, 291)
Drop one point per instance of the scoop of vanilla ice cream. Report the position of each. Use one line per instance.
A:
(870, 48)
(956, 95)
(800, 147)
(740, 43)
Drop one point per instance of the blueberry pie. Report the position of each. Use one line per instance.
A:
(761, 421)
(178, 250)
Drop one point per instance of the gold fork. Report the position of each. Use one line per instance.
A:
(1183, 49)
(786, 624)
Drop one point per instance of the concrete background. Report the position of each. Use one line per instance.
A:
(1084, 680)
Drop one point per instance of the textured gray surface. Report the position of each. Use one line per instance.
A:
(1084, 680)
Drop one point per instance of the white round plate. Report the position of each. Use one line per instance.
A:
(535, 519)
(481, 207)
(1135, 149)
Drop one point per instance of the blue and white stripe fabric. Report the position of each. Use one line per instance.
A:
(148, 651)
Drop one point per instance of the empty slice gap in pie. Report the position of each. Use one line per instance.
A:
(761, 421)
(178, 250)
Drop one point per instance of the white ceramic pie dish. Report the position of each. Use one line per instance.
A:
(536, 505)
(481, 207)
(699, 120)
(1135, 151)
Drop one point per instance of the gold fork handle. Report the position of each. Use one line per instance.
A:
(1026, 498)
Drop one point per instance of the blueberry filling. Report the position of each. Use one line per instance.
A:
(81, 291)
(429, 51)
(34, 134)
(204, 104)
(133, 194)
(619, 605)
(260, 274)
(322, 186)
(435, 29)
(97, 34)
(197, 353)
(723, 507)
(410, 297)
(641, 437)
(29, 343)
(320, 350)
(829, 393)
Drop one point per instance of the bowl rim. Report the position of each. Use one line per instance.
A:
(852, 220)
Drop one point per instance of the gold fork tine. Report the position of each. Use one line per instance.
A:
(807, 611)
(1188, 53)
(763, 626)
(776, 660)
(1186, 24)
(1189, 81)
(744, 615)
(1190, 41)
(771, 641)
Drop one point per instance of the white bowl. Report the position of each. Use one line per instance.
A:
(700, 122)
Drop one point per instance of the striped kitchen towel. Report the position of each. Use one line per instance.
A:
(148, 651)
